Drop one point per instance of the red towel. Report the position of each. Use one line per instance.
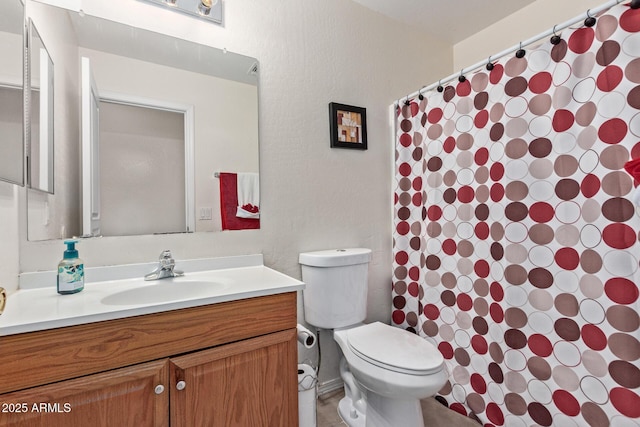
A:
(229, 205)
(633, 168)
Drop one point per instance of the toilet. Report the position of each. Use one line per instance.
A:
(386, 370)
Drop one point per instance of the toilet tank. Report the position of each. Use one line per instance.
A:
(335, 295)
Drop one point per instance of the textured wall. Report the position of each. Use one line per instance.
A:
(539, 16)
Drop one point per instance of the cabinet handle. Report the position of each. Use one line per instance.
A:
(181, 385)
(159, 389)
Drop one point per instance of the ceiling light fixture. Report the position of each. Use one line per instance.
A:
(204, 7)
(210, 10)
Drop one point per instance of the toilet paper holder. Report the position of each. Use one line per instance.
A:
(305, 336)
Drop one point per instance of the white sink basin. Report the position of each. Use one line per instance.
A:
(165, 290)
(116, 292)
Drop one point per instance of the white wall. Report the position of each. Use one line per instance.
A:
(539, 16)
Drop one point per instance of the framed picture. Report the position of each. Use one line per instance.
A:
(348, 126)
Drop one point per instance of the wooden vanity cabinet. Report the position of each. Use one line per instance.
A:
(123, 397)
(241, 384)
(226, 364)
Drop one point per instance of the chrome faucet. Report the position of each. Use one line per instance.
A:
(165, 268)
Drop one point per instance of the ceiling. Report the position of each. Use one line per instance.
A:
(451, 21)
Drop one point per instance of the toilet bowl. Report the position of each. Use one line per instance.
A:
(386, 370)
(393, 369)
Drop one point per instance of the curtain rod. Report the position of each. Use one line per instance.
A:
(515, 48)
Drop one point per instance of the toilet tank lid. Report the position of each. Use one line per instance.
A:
(335, 257)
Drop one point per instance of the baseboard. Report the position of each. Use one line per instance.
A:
(329, 386)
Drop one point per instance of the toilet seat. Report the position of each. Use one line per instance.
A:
(394, 349)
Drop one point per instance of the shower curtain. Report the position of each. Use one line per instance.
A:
(516, 242)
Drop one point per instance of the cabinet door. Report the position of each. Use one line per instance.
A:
(122, 397)
(247, 383)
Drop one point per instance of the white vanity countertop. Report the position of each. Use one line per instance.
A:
(35, 308)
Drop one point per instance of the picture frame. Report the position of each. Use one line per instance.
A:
(348, 126)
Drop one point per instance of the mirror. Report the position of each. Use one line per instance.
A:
(158, 119)
(40, 117)
(12, 30)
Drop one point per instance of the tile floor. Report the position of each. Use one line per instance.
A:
(435, 414)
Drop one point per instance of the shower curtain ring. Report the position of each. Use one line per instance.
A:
(590, 21)
(406, 101)
(489, 64)
(420, 95)
(439, 88)
(555, 39)
(462, 78)
(521, 52)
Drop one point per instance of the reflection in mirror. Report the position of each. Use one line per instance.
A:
(11, 91)
(170, 115)
(40, 152)
(135, 138)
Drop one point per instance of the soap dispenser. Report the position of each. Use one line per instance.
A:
(70, 270)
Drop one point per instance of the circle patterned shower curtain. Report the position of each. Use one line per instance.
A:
(516, 240)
